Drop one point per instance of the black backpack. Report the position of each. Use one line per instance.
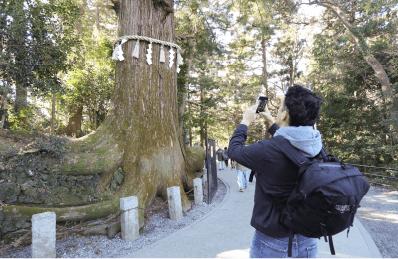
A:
(326, 197)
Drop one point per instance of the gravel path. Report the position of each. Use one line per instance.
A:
(379, 215)
(159, 227)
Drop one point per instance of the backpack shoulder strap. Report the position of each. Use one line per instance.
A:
(290, 151)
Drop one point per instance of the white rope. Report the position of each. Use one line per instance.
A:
(118, 51)
(136, 37)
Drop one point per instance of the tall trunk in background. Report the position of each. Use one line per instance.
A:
(353, 10)
(79, 28)
(293, 65)
(4, 107)
(20, 101)
(229, 133)
(53, 113)
(190, 128)
(97, 15)
(202, 118)
(181, 109)
(265, 127)
(292, 70)
(95, 117)
(265, 73)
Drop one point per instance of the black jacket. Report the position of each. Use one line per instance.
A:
(275, 179)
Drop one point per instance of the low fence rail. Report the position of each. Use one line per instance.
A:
(365, 172)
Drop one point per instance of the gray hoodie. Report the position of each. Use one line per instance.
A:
(305, 138)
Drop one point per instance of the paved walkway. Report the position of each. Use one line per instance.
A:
(226, 232)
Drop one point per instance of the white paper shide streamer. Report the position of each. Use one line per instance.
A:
(162, 58)
(136, 51)
(115, 51)
(171, 61)
(149, 55)
(180, 61)
(118, 51)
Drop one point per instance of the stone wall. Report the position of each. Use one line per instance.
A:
(48, 189)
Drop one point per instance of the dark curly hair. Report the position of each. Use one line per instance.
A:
(303, 106)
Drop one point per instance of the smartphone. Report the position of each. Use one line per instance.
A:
(262, 101)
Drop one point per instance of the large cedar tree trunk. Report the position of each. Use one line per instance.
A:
(140, 133)
(145, 113)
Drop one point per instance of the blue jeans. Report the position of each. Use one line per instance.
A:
(221, 163)
(267, 247)
(241, 175)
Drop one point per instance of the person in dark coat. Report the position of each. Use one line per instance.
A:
(275, 174)
(226, 157)
(220, 158)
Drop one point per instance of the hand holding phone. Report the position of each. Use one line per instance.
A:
(261, 104)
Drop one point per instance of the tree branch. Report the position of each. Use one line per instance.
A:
(166, 5)
(184, 37)
(115, 6)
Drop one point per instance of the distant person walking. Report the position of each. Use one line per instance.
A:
(233, 164)
(243, 176)
(225, 156)
(220, 158)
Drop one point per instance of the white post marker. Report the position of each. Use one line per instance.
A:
(129, 222)
(198, 191)
(174, 200)
(44, 235)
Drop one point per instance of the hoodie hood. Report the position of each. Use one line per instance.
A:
(305, 138)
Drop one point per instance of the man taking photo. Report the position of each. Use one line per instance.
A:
(276, 175)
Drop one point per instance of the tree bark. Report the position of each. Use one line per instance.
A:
(4, 108)
(202, 118)
(53, 113)
(97, 15)
(265, 73)
(95, 117)
(265, 126)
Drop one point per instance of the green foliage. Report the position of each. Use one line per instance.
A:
(353, 130)
(287, 52)
(14, 117)
(203, 52)
(91, 81)
(36, 38)
(356, 121)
